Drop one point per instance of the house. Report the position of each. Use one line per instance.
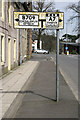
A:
(8, 38)
(73, 48)
(13, 42)
(35, 44)
(78, 40)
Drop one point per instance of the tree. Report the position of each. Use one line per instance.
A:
(73, 38)
(41, 7)
(76, 9)
(49, 42)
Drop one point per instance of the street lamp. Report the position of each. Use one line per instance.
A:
(67, 52)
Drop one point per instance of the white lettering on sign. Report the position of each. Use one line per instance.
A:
(28, 20)
(52, 20)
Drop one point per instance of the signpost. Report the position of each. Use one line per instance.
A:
(50, 20)
(57, 67)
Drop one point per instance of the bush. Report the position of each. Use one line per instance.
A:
(74, 52)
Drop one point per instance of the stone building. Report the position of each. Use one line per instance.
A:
(13, 42)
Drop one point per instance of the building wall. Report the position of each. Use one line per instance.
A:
(24, 45)
(14, 47)
(22, 50)
(11, 38)
(6, 29)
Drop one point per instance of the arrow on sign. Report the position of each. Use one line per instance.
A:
(60, 20)
(17, 19)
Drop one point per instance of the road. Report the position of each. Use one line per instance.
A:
(40, 97)
(69, 68)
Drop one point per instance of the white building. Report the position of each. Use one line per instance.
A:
(78, 40)
(34, 45)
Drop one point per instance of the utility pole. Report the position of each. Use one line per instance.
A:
(57, 66)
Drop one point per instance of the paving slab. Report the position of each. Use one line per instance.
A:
(12, 84)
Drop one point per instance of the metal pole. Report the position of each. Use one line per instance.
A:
(66, 37)
(57, 67)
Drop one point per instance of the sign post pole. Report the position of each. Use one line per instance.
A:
(57, 67)
(52, 20)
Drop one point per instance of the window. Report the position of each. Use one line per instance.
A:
(2, 49)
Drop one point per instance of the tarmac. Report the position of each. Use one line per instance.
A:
(30, 92)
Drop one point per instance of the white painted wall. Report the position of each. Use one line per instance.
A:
(40, 44)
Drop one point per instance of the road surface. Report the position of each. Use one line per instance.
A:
(69, 68)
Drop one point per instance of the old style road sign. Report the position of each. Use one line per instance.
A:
(52, 20)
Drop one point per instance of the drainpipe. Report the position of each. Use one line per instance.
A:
(30, 36)
(20, 46)
(20, 33)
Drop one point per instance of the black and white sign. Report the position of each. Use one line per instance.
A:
(28, 20)
(52, 21)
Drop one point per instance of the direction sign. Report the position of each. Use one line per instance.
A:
(28, 20)
(52, 20)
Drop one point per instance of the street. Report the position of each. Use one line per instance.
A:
(69, 69)
(39, 59)
(40, 98)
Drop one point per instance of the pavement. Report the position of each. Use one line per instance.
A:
(10, 86)
(40, 97)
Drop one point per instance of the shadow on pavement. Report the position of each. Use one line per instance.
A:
(31, 92)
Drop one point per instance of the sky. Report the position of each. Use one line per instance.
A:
(69, 28)
(61, 5)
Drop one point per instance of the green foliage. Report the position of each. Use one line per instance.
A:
(74, 52)
(49, 42)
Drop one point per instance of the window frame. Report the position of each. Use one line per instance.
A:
(2, 49)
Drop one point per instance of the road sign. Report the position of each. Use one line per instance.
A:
(52, 20)
(28, 20)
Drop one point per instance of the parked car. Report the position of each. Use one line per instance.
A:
(42, 51)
